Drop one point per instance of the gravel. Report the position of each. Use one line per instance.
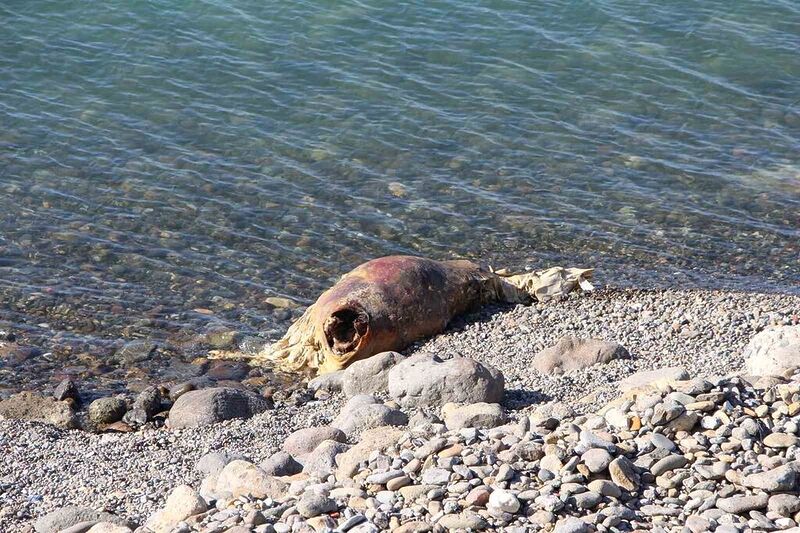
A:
(44, 468)
(702, 331)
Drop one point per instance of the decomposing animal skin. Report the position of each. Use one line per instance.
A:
(388, 303)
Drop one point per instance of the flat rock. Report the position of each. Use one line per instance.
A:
(623, 473)
(572, 353)
(571, 524)
(475, 415)
(425, 380)
(30, 406)
(780, 479)
(784, 504)
(209, 406)
(742, 504)
(369, 375)
(669, 463)
(108, 527)
(467, 520)
(781, 440)
(67, 517)
(653, 378)
(773, 351)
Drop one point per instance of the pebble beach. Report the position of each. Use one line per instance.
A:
(700, 444)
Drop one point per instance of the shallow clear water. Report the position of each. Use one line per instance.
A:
(167, 166)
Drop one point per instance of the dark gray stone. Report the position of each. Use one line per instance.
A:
(107, 410)
(209, 406)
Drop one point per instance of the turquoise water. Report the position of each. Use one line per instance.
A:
(167, 166)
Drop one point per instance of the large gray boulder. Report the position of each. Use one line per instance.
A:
(30, 406)
(209, 406)
(426, 380)
(67, 517)
(773, 351)
(369, 375)
(572, 353)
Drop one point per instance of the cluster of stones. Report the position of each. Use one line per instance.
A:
(699, 454)
(670, 454)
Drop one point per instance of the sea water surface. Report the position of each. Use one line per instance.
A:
(170, 168)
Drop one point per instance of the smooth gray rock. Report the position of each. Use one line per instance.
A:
(571, 353)
(596, 460)
(780, 479)
(331, 382)
(322, 461)
(427, 380)
(784, 504)
(571, 524)
(369, 375)
(743, 504)
(313, 503)
(67, 517)
(773, 351)
(209, 406)
(212, 463)
(475, 415)
(363, 412)
(669, 463)
(304, 441)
